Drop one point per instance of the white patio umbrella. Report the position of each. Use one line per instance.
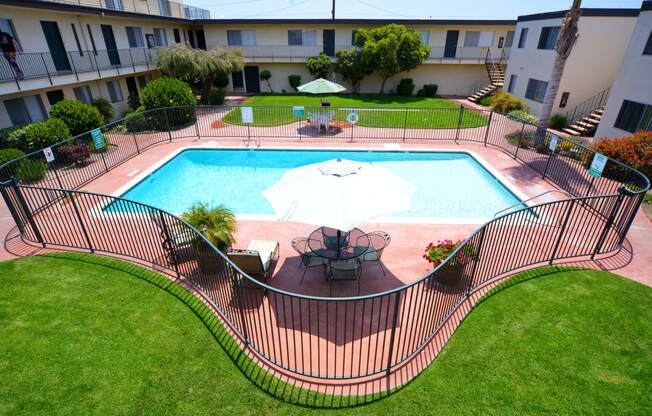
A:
(339, 194)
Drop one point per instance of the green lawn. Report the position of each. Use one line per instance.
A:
(83, 334)
(400, 112)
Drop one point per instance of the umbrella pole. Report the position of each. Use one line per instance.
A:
(339, 235)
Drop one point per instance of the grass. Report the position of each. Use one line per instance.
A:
(83, 334)
(443, 113)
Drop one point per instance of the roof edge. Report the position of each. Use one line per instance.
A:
(488, 22)
(585, 12)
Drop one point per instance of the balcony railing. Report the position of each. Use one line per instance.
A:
(157, 7)
(49, 64)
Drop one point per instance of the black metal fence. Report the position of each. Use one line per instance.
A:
(323, 337)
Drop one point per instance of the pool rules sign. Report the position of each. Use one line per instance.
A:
(597, 166)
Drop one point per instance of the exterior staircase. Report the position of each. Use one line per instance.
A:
(586, 125)
(496, 72)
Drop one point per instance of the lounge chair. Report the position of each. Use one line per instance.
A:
(378, 241)
(308, 258)
(173, 240)
(258, 259)
(344, 270)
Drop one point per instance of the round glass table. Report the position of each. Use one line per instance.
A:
(333, 244)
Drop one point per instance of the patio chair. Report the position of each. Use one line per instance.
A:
(378, 241)
(308, 258)
(344, 270)
(258, 259)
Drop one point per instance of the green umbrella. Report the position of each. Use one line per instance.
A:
(321, 86)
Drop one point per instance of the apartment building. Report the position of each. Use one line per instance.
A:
(456, 64)
(591, 68)
(102, 48)
(629, 107)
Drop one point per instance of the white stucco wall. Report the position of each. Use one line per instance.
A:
(634, 80)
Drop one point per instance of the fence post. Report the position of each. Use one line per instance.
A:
(610, 220)
(194, 107)
(72, 62)
(99, 74)
(167, 122)
(561, 231)
(405, 123)
(47, 71)
(459, 123)
(475, 263)
(133, 133)
(27, 211)
(486, 133)
(12, 209)
(168, 243)
(545, 170)
(236, 288)
(397, 301)
(81, 222)
(520, 136)
(106, 167)
(131, 57)
(56, 175)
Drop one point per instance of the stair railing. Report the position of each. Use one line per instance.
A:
(587, 106)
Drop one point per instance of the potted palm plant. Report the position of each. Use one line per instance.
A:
(451, 272)
(217, 224)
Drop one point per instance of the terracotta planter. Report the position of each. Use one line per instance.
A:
(450, 275)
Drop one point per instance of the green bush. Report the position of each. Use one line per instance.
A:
(136, 121)
(319, 66)
(7, 155)
(105, 108)
(486, 101)
(30, 170)
(543, 149)
(405, 87)
(522, 115)
(4, 136)
(504, 102)
(428, 90)
(39, 135)
(133, 101)
(295, 81)
(221, 81)
(216, 96)
(170, 92)
(266, 75)
(557, 121)
(79, 117)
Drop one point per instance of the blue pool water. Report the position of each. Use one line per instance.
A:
(448, 184)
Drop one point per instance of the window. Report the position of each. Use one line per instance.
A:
(135, 37)
(509, 40)
(191, 38)
(74, 32)
(634, 116)
(201, 39)
(536, 90)
(160, 37)
(523, 38)
(114, 4)
(475, 38)
(564, 99)
(425, 35)
(177, 36)
(90, 35)
(83, 94)
(648, 46)
(241, 37)
(143, 80)
(512, 84)
(353, 32)
(25, 110)
(54, 96)
(302, 37)
(115, 93)
(164, 8)
(548, 37)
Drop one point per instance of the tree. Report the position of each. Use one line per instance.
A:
(319, 66)
(351, 66)
(265, 76)
(563, 47)
(185, 63)
(391, 49)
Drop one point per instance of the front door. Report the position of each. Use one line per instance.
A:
(201, 39)
(329, 42)
(131, 85)
(238, 81)
(111, 48)
(451, 43)
(251, 78)
(55, 43)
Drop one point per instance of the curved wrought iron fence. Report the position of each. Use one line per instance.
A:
(321, 337)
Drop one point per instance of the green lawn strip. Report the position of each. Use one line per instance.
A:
(401, 112)
(84, 334)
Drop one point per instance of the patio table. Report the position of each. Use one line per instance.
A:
(321, 118)
(332, 244)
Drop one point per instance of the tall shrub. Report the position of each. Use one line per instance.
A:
(39, 135)
(319, 66)
(169, 92)
(79, 117)
(634, 151)
(295, 81)
(105, 108)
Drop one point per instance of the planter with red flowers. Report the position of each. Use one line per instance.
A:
(451, 272)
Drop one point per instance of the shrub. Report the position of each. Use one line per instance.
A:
(39, 135)
(105, 108)
(266, 75)
(4, 136)
(295, 81)
(7, 155)
(221, 80)
(522, 115)
(437, 253)
(216, 96)
(428, 90)
(543, 149)
(504, 102)
(136, 121)
(30, 170)
(170, 92)
(319, 66)
(79, 117)
(486, 101)
(405, 87)
(133, 101)
(634, 151)
(557, 122)
(216, 223)
(77, 153)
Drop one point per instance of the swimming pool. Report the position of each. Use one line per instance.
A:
(449, 184)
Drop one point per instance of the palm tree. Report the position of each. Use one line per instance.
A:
(217, 224)
(565, 42)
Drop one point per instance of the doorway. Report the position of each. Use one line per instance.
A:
(111, 48)
(329, 42)
(55, 44)
(251, 78)
(450, 50)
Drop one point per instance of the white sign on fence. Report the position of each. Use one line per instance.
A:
(49, 155)
(597, 166)
(247, 114)
(553, 144)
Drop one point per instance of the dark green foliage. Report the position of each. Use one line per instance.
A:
(319, 66)
(105, 108)
(504, 102)
(294, 80)
(31, 169)
(543, 149)
(405, 87)
(79, 117)
(266, 75)
(170, 92)
(351, 66)
(486, 101)
(39, 135)
(216, 96)
(557, 121)
(133, 101)
(7, 155)
(136, 121)
(428, 90)
(221, 80)
(4, 136)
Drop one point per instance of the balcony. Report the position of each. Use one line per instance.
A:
(45, 69)
(156, 7)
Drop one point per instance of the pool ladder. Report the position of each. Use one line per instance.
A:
(247, 141)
